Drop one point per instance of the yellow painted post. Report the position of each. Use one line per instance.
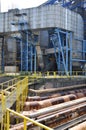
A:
(22, 95)
(54, 74)
(68, 76)
(35, 75)
(18, 99)
(30, 120)
(3, 102)
(47, 74)
(25, 124)
(8, 120)
(5, 122)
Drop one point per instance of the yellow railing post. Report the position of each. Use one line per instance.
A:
(47, 74)
(25, 124)
(35, 75)
(8, 120)
(25, 120)
(3, 102)
(40, 74)
(54, 74)
(5, 121)
(22, 95)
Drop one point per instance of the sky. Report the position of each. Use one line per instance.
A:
(9, 4)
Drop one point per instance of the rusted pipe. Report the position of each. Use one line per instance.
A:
(49, 102)
(56, 107)
(39, 98)
(81, 126)
(57, 89)
(55, 119)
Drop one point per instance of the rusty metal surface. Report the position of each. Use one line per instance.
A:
(49, 102)
(81, 126)
(71, 123)
(39, 98)
(52, 101)
(54, 110)
(58, 118)
(57, 89)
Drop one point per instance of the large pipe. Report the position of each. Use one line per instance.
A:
(53, 101)
(39, 98)
(55, 108)
(48, 102)
(57, 89)
(81, 126)
(51, 120)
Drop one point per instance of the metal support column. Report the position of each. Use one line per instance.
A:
(2, 61)
(71, 37)
(62, 44)
(27, 50)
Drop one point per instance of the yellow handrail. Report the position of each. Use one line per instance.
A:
(56, 74)
(25, 120)
(18, 94)
(8, 83)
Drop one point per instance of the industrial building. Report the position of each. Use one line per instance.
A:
(45, 47)
(52, 34)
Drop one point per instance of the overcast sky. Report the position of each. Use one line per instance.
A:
(9, 4)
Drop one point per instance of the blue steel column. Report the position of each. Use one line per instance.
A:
(71, 53)
(31, 62)
(2, 66)
(63, 2)
(34, 59)
(59, 44)
(27, 51)
(34, 48)
(83, 49)
(62, 52)
(67, 51)
(59, 56)
(55, 51)
(21, 53)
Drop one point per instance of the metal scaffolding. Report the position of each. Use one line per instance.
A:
(62, 43)
(66, 51)
(27, 46)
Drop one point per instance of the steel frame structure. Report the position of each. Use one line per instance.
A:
(62, 43)
(83, 51)
(72, 4)
(27, 46)
(28, 53)
(2, 53)
(66, 3)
